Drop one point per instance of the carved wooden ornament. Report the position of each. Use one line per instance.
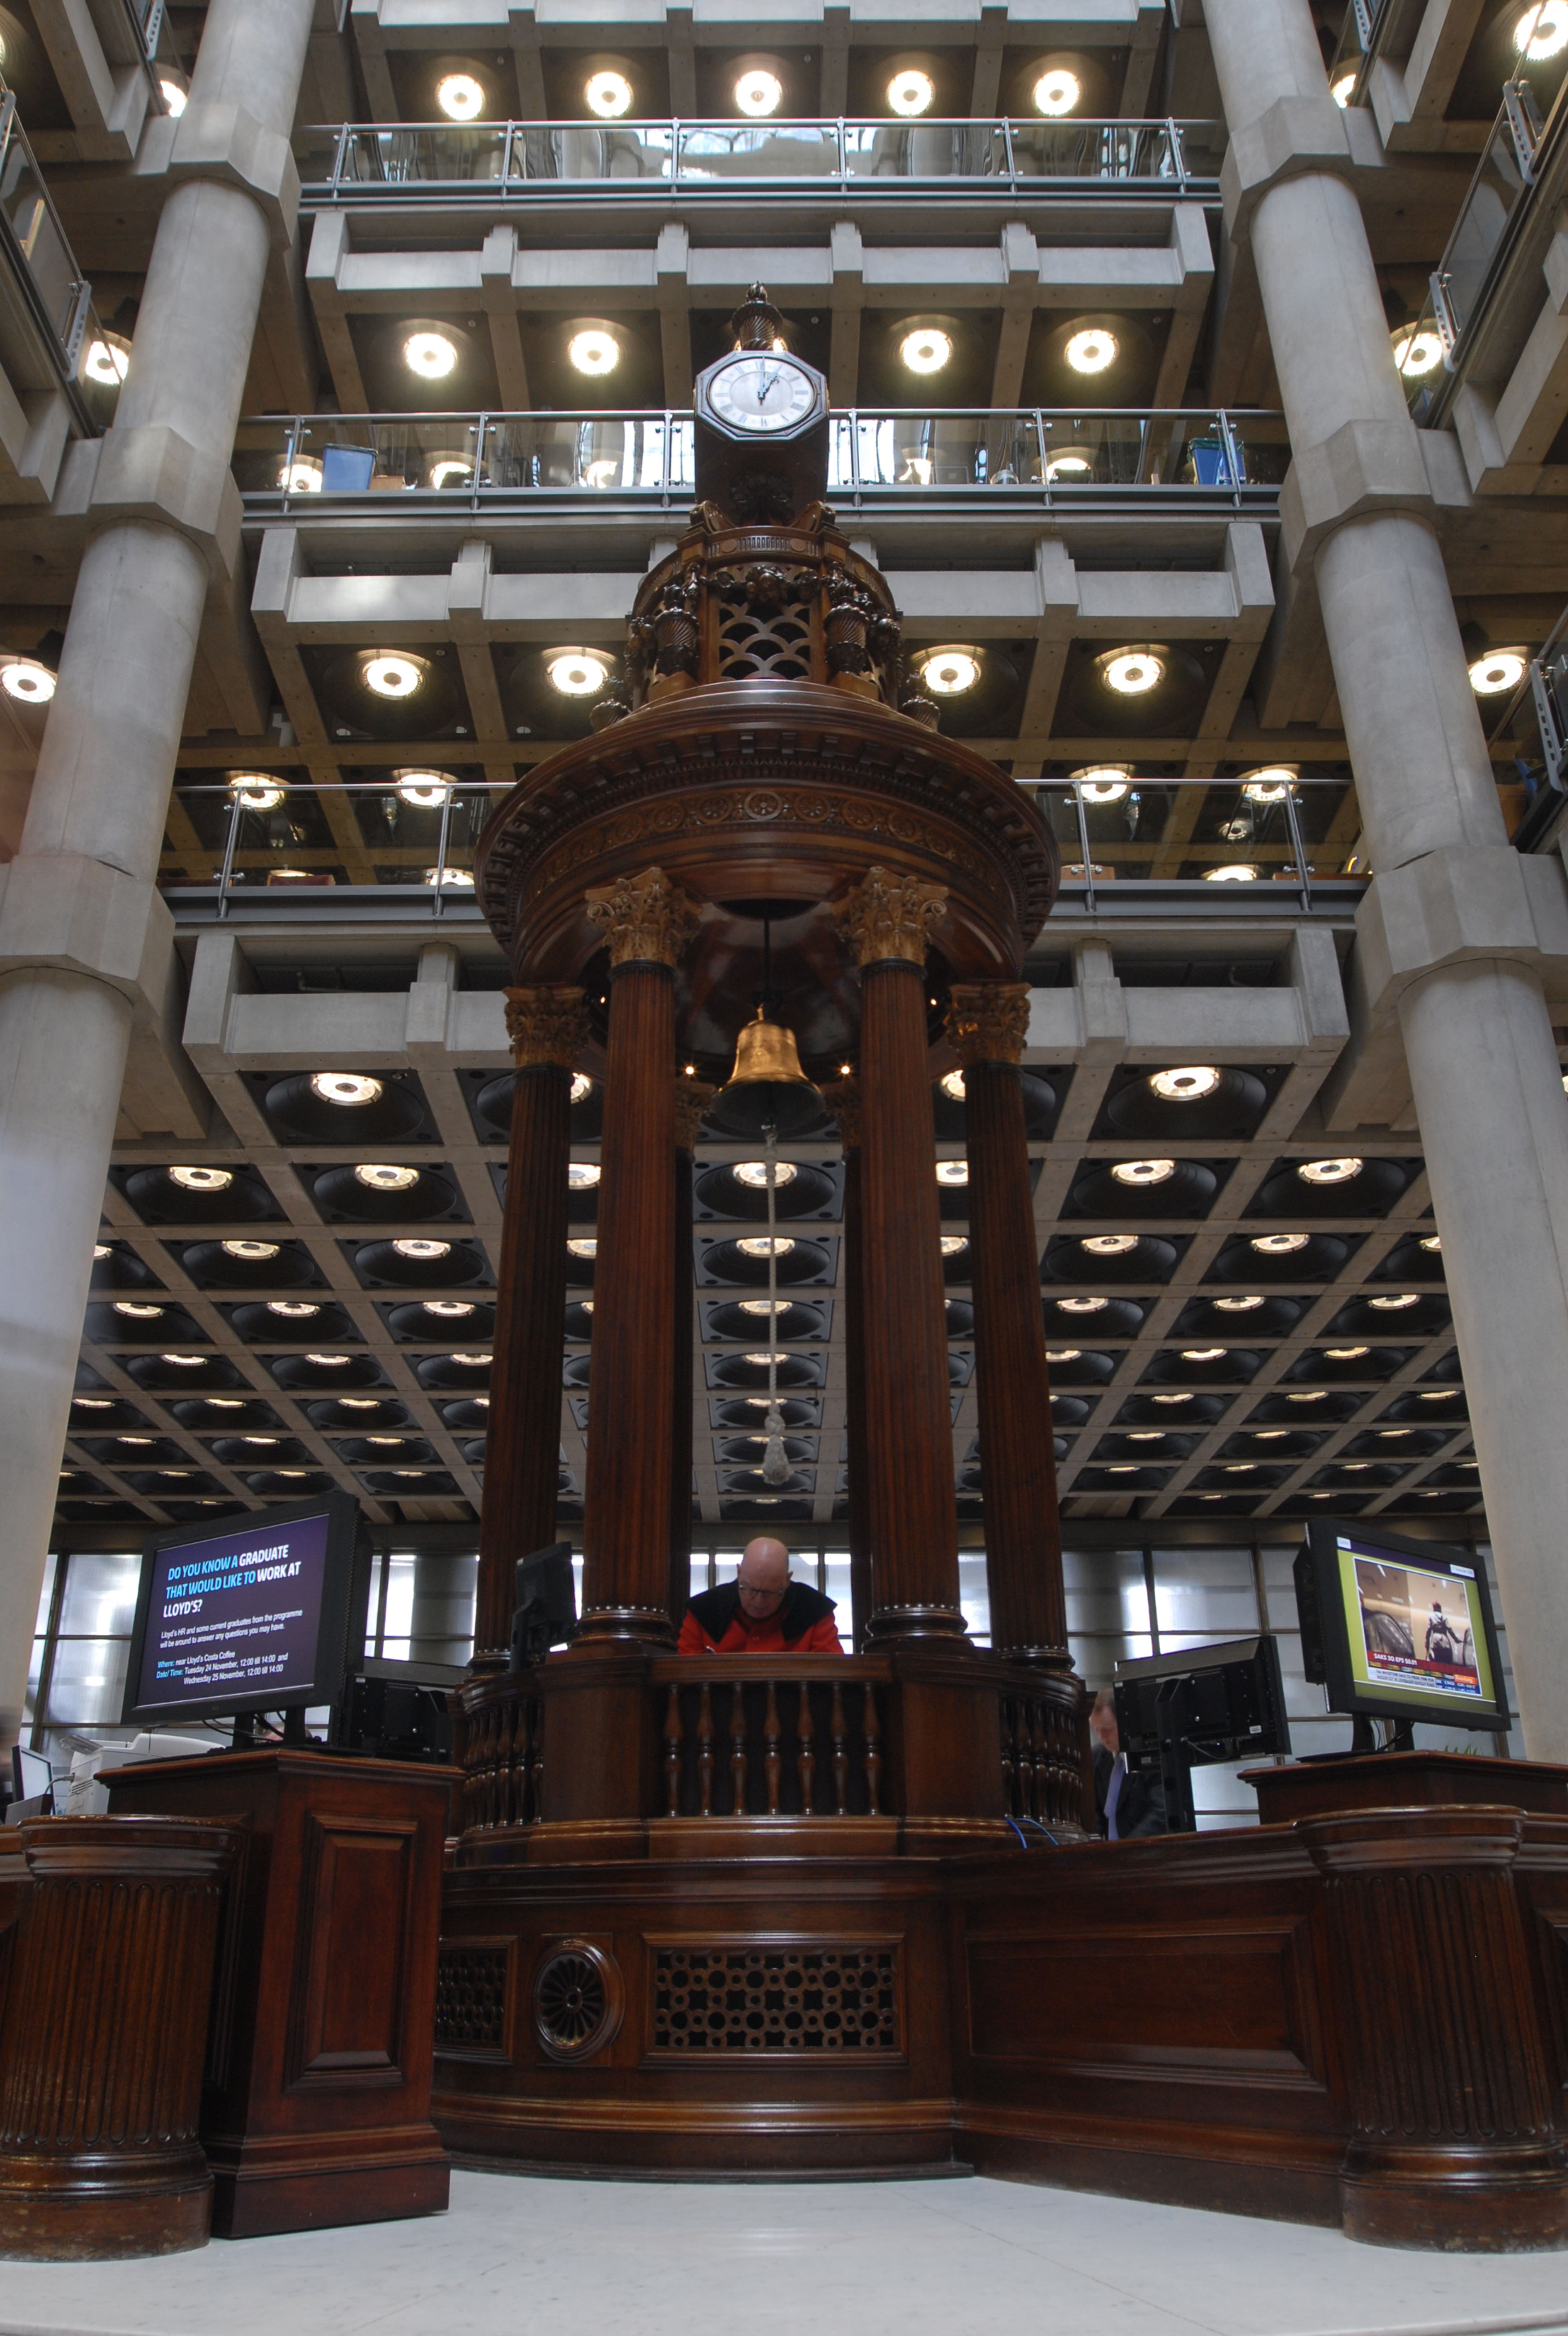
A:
(889, 917)
(692, 1098)
(547, 1023)
(648, 920)
(989, 1021)
(842, 1098)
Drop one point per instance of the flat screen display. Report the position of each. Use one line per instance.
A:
(1406, 1628)
(248, 1616)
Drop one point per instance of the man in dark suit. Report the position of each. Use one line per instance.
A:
(1131, 1803)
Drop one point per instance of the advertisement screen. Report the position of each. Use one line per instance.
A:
(239, 1615)
(1416, 1630)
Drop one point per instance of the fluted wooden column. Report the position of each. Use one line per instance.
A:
(988, 1023)
(912, 1515)
(692, 1099)
(547, 1026)
(648, 922)
(843, 1100)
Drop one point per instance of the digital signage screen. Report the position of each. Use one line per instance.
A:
(248, 1615)
(1406, 1628)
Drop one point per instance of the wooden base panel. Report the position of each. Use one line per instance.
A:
(1247, 2175)
(49, 2222)
(756, 2143)
(348, 2178)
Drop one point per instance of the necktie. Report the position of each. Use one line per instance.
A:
(1114, 1794)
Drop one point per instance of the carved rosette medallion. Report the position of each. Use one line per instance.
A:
(547, 1023)
(692, 1098)
(647, 920)
(889, 917)
(989, 1021)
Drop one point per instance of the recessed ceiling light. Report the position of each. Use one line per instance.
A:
(203, 1180)
(1396, 1305)
(1345, 1353)
(176, 98)
(1105, 784)
(758, 93)
(1143, 1172)
(224, 1403)
(1092, 350)
(577, 673)
(422, 1252)
(1431, 1243)
(1313, 1395)
(948, 673)
(1417, 351)
(953, 1171)
(250, 1252)
(1082, 1305)
(432, 356)
(1145, 1435)
(100, 1250)
(1063, 1354)
(254, 790)
(330, 1362)
(954, 1244)
(1328, 1172)
(910, 92)
(1498, 670)
(753, 1173)
(593, 351)
(383, 1176)
(1172, 1398)
(927, 349)
(1340, 90)
(1072, 462)
(1109, 1244)
(138, 1442)
(1239, 1468)
(607, 95)
(1270, 1434)
(462, 877)
(952, 1086)
(345, 1087)
(184, 1362)
(589, 1247)
(294, 1309)
(451, 471)
(460, 97)
(1056, 92)
(1134, 673)
(763, 1359)
(109, 361)
(1236, 871)
(1270, 786)
(581, 1087)
(426, 790)
(138, 1313)
(763, 1245)
(1203, 1354)
(451, 1309)
(1239, 1305)
(1191, 1083)
(765, 1305)
(392, 677)
(1279, 1244)
(1542, 31)
(581, 1175)
(27, 681)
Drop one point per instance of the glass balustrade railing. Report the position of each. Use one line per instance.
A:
(411, 834)
(38, 247)
(357, 162)
(1046, 455)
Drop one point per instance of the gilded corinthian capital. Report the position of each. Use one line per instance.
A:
(692, 1098)
(889, 917)
(547, 1023)
(989, 1021)
(648, 920)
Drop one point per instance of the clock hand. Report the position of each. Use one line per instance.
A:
(770, 381)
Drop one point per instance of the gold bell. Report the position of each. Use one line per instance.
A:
(767, 1087)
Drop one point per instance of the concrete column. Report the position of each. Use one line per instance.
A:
(80, 923)
(441, 1625)
(1483, 1064)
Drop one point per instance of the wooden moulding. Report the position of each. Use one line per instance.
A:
(102, 2035)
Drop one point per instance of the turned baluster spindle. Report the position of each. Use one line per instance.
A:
(1009, 1767)
(807, 1756)
(872, 1730)
(506, 1810)
(841, 1752)
(538, 1709)
(672, 1740)
(737, 1758)
(772, 1765)
(705, 1751)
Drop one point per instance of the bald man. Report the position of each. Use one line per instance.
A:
(761, 1612)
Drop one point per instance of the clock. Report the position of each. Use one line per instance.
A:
(761, 393)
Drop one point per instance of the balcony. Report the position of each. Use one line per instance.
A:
(1186, 459)
(50, 344)
(514, 161)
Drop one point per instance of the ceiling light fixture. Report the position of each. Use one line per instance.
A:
(1203, 1354)
(460, 97)
(422, 1252)
(184, 1362)
(294, 1309)
(462, 877)
(582, 1247)
(954, 1244)
(100, 1250)
(758, 93)
(1191, 1083)
(1105, 784)
(763, 1245)
(1271, 785)
(1082, 1305)
(1542, 31)
(953, 1171)
(250, 1252)
(1279, 1244)
(1236, 872)
(1396, 1305)
(1063, 1354)
(1109, 1244)
(1143, 1172)
(1056, 92)
(1417, 351)
(1172, 1398)
(910, 92)
(1345, 1354)
(1340, 90)
(1498, 670)
(577, 673)
(330, 1362)
(175, 98)
(347, 1088)
(607, 95)
(948, 673)
(432, 356)
(581, 1175)
(1238, 1305)
(594, 352)
(203, 1180)
(952, 1086)
(254, 790)
(426, 790)
(1313, 1395)
(753, 1174)
(1329, 1172)
(27, 681)
(138, 1313)
(1092, 350)
(391, 675)
(1134, 673)
(927, 349)
(384, 1176)
(451, 1309)
(1431, 1243)
(108, 363)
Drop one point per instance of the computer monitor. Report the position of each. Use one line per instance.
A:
(31, 1785)
(1397, 1629)
(1197, 1706)
(546, 1612)
(255, 1612)
(396, 1711)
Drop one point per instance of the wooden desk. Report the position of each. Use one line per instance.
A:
(1406, 1780)
(316, 2105)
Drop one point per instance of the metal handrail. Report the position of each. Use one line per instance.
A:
(63, 306)
(516, 148)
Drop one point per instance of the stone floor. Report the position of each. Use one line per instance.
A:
(519, 2257)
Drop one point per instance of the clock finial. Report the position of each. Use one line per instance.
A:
(756, 322)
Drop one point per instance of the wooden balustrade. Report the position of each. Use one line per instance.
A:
(1043, 1759)
(500, 1750)
(754, 1735)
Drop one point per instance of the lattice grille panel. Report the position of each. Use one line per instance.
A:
(821, 1999)
(471, 1999)
(776, 641)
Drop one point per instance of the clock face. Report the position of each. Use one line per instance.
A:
(761, 393)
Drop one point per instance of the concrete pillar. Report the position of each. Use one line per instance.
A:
(80, 924)
(1483, 1064)
(442, 1622)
